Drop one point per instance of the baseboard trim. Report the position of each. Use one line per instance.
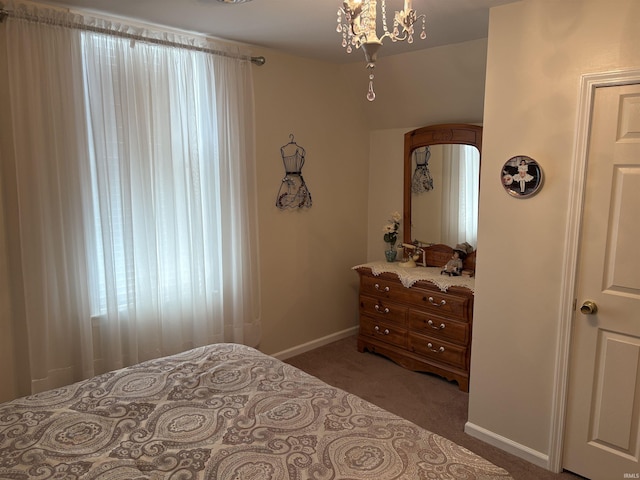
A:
(305, 347)
(532, 456)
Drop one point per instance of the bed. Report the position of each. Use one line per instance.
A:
(223, 411)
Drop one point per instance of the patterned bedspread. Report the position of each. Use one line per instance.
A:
(223, 412)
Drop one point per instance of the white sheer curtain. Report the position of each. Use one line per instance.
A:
(134, 177)
(44, 174)
(461, 174)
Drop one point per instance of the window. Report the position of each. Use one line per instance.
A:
(134, 173)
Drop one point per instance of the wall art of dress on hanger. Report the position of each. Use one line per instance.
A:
(293, 191)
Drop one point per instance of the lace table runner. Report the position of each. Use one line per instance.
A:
(409, 276)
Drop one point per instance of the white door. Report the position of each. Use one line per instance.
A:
(602, 434)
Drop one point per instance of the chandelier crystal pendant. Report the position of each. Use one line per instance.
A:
(357, 22)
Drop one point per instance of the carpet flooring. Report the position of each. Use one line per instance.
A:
(424, 399)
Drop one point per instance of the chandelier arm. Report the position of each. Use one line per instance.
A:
(386, 34)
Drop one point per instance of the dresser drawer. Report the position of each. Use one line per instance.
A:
(441, 303)
(383, 309)
(380, 287)
(438, 350)
(439, 327)
(422, 294)
(383, 331)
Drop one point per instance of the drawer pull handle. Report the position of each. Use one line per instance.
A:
(377, 329)
(430, 346)
(442, 302)
(378, 309)
(440, 327)
(377, 287)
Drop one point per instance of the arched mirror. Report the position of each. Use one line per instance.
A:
(441, 183)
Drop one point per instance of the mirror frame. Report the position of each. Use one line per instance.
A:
(456, 133)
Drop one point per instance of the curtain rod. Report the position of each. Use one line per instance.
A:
(130, 36)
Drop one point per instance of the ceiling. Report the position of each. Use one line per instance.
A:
(304, 28)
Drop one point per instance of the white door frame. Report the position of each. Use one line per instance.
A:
(588, 85)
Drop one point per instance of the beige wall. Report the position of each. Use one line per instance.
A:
(385, 187)
(537, 52)
(308, 288)
(436, 85)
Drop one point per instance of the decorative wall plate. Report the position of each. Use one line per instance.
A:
(521, 176)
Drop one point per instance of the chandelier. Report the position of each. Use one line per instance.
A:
(357, 24)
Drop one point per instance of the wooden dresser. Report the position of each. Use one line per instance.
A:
(421, 327)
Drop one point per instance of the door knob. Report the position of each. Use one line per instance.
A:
(588, 308)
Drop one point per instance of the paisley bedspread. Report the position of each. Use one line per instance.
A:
(219, 412)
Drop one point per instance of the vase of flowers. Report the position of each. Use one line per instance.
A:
(391, 236)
